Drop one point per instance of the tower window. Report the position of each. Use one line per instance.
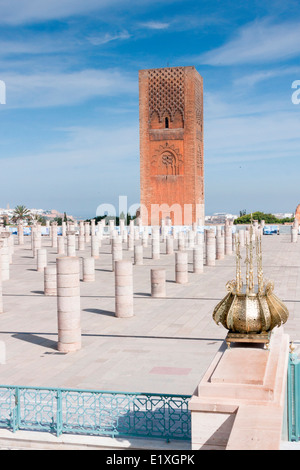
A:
(166, 123)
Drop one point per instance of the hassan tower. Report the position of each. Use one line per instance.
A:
(171, 145)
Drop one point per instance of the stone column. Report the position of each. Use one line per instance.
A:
(71, 244)
(117, 252)
(155, 244)
(68, 304)
(145, 237)
(4, 255)
(125, 236)
(242, 238)
(294, 234)
(1, 296)
(138, 255)
(61, 245)
(81, 242)
(87, 232)
(158, 282)
(64, 229)
(88, 269)
(169, 245)
(199, 238)
(81, 228)
(93, 228)
(181, 241)
(137, 233)
(210, 248)
(198, 259)
(122, 226)
(219, 243)
(228, 238)
(41, 259)
(111, 224)
(191, 239)
(181, 267)
(130, 241)
(20, 234)
(123, 289)
(54, 234)
(10, 243)
(95, 247)
(50, 281)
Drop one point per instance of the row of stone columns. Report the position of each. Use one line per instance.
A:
(63, 279)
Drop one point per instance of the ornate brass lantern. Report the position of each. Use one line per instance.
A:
(250, 311)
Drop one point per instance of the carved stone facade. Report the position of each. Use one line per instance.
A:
(171, 145)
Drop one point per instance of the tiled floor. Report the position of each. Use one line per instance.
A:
(165, 348)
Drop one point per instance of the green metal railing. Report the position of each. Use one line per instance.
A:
(89, 412)
(293, 390)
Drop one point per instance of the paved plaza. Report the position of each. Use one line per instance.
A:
(165, 348)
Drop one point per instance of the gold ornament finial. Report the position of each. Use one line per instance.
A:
(250, 313)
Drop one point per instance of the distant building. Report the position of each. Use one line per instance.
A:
(219, 217)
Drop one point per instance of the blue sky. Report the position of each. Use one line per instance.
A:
(69, 134)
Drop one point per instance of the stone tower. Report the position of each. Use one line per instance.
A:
(171, 145)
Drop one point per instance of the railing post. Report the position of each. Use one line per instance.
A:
(16, 411)
(59, 423)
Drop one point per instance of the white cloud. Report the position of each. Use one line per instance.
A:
(263, 75)
(15, 12)
(24, 11)
(258, 42)
(62, 88)
(155, 25)
(99, 40)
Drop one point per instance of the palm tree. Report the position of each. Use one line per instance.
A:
(21, 213)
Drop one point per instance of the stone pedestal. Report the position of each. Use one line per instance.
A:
(219, 244)
(155, 244)
(60, 245)
(94, 247)
(4, 250)
(145, 237)
(20, 234)
(169, 245)
(68, 304)
(81, 243)
(36, 244)
(88, 269)
(41, 260)
(239, 403)
(71, 244)
(181, 241)
(116, 250)
(54, 235)
(123, 289)
(50, 281)
(138, 255)
(1, 296)
(158, 282)
(294, 234)
(210, 248)
(198, 259)
(181, 267)
(228, 238)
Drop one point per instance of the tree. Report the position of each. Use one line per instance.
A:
(21, 213)
(268, 218)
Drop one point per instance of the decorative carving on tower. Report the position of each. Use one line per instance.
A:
(166, 92)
